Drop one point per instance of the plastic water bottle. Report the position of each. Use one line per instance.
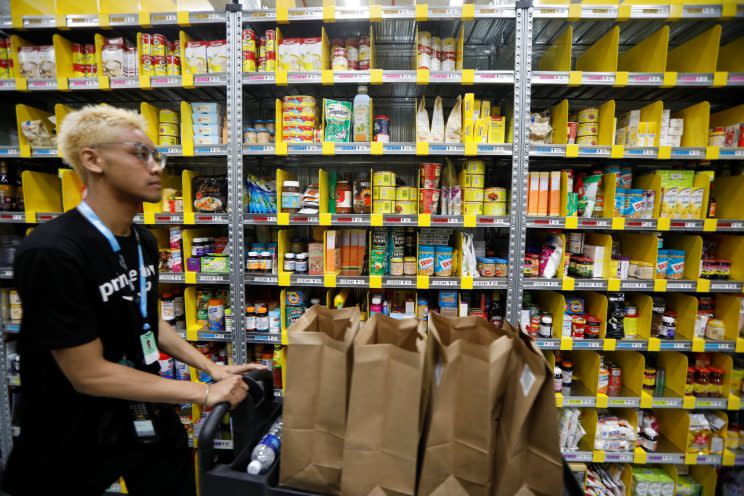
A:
(267, 450)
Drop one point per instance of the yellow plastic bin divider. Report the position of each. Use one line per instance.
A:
(676, 425)
(72, 189)
(644, 306)
(460, 48)
(707, 477)
(283, 313)
(686, 307)
(674, 364)
(150, 209)
(730, 56)
(151, 115)
(41, 193)
(640, 246)
(728, 117)
(693, 248)
(283, 242)
(558, 55)
(586, 368)
(189, 300)
(606, 135)
(699, 54)
(725, 362)
(555, 303)
(559, 122)
(653, 182)
(696, 124)
(729, 193)
(62, 60)
(588, 419)
(632, 364)
(60, 112)
(596, 305)
(26, 113)
(609, 185)
(650, 55)
(187, 130)
(77, 7)
(187, 237)
(22, 8)
(602, 55)
(652, 113)
(732, 247)
(119, 7)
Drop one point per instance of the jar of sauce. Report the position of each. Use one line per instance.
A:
(301, 263)
(702, 378)
(690, 383)
(715, 383)
(343, 198)
(267, 262)
(289, 262)
(250, 319)
(252, 263)
(290, 197)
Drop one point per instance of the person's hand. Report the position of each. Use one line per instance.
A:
(232, 389)
(220, 372)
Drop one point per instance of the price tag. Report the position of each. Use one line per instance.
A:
(42, 84)
(634, 285)
(694, 79)
(350, 219)
(593, 150)
(620, 402)
(662, 458)
(163, 18)
(544, 284)
(434, 148)
(709, 459)
(7, 84)
(720, 346)
(711, 403)
(587, 344)
(264, 280)
(79, 21)
(444, 77)
(667, 403)
(342, 148)
(402, 282)
(351, 281)
(592, 284)
(398, 220)
(258, 149)
(631, 345)
(444, 283)
(211, 79)
(123, 19)
(198, 17)
(618, 457)
(569, 401)
(598, 78)
(258, 77)
(437, 219)
(124, 83)
(643, 78)
(486, 282)
(309, 281)
(82, 83)
(39, 21)
(12, 217)
(44, 152)
(164, 81)
(203, 278)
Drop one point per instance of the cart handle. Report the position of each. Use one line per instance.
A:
(260, 389)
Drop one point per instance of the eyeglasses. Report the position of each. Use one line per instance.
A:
(142, 152)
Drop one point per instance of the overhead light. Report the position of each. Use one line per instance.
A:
(455, 3)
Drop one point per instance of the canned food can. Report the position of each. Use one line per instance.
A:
(364, 53)
(473, 194)
(262, 64)
(494, 208)
(146, 43)
(77, 54)
(474, 167)
(91, 70)
(270, 61)
(168, 116)
(473, 208)
(587, 140)
(449, 45)
(448, 62)
(168, 129)
(588, 115)
(383, 178)
(270, 35)
(148, 67)
(406, 193)
(383, 193)
(428, 201)
(78, 70)
(435, 64)
(158, 45)
(249, 62)
(248, 40)
(436, 48)
(494, 195)
(429, 175)
(404, 207)
(423, 61)
(571, 130)
(383, 206)
(424, 42)
(160, 66)
(475, 180)
(381, 128)
(175, 47)
(174, 65)
(167, 140)
(339, 61)
(588, 129)
(352, 53)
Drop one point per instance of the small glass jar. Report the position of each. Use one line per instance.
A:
(702, 377)
(267, 262)
(270, 127)
(546, 326)
(396, 266)
(715, 384)
(249, 136)
(301, 263)
(252, 263)
(289, 262)
(263, 137)
(649, 378)
(715, 329)
(668, 327)
(260, 126)
(409, 266)
(250, 319)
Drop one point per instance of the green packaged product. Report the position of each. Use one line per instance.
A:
(572, 205)
(687, 486)
(337, 117)
(377, 262)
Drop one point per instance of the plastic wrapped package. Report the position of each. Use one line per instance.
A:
(453, 130)
(604, 480)
(423, 133)
(614, 434)
(698, 435)
(437, 122)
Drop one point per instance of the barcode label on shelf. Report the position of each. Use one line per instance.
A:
(42, 84)
(666, 403)
(594, 151)
(397, 148)
(309, 281)
(587, 344)
(163, 18)
(10, 151)
(487, 149)
(591, 284)
(401, 283)
(444, 12)
(7, 84)
(688, 152)
(263, 279)
(248, 149)
(619, 457)
(645, 78)
(636, 285)
(667, 345)
(13, 217)
(631, 345)
(493, 77)
(124, 83)
(544, 284)
(350, 219)
(303, 77)
(444, 283)
(196, 17)
(444, 77)
(171, 277)
(351, 281)
(711, 403)
(43, 152)
(209, 150)
(343, 148)
(436, 148)
(694, 79)
(598, 78)
(620, 402)
(304, 148)
(397, 220)
(82, 83)
(265, 337)
(39, 21)
(351, 76)
(170, 150)
(79, 21)
(220, 278)
(709, 459)
(258, 77)
(123, 19)
(722, 346)
(210, 79)
(161, 81)
(665, 458)
(585, 401)
(735, 78)
(440, 219)
(487, 282)
(303, 219)
(724, 286)
(598, 223)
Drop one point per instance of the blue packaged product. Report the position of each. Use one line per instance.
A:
(448, 303)
(676, 266)
(443, 261)
(426, 260)
(619, 202)
(662, 264)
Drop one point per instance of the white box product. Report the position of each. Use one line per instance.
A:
(206, 130)
(597, 253)
(206, 108)
(205, 119)
(206, 140)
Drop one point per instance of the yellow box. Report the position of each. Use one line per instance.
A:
(481, 130)
(473, 194)
(468, 108)
(494, 208)
(405, 207)
(497, 130)
(494, 194)
(473, 208)
(405, 193)
(475, 181)
(383, 178)
(474, 167)
(169, 116)
(383, 192)
(383, 206)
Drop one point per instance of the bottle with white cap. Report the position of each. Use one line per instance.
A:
(267, 450)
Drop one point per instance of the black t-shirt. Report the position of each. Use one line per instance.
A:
(73, 290)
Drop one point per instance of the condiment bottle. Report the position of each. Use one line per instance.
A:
(250, 319)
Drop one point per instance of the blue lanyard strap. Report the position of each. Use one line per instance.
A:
(93, 218)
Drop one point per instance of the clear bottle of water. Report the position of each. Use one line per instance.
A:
(267, 450)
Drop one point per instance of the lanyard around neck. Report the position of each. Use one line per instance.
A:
(93, 218)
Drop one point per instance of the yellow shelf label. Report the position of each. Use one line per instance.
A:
(282, 14)
(329, 148)
(280, 76)
(375, 220)
(574, 77)
(189, 218)
(613, 284)
(326, 77)
(422, 75)
(621, 79)
(149, 218)
(422, 12)
(376, 148)
(617, 151)
(190, 277)
(471, 149)
(187, 80)
(422, 148)
(675, 11)
(712, 152)
(281, 148)
(144, 82)
(182, 17)
(598, 456)
(468, 12)
(572, 151)
(572, 222)
(729, 459)
(375, 76)
(21, 84)
(618, 223)
(639, 456)
(665, 153)
(375, 282)
(688, 402)
(324, 219)
(104, 83)
(469, 220)
(567, 284)
(734, 402)
(654, 344)
(610, 344)
(663, 224)
(703, 286)
(559, 400)
(698, 345)
(422, 282)
(623, 12)
(691, 459)
(284, 278)
(282, 218)
(646, 400)
(192, 334)
(466, 282)
(375, 13)
(424, 220)
(739, 345)
(62, 83)
(31, 217)
(720, 79)
(710, 225)
(660, 285)
(566, 343)
(329, 280)
(468, 75)
(670, 80)
(144, 18)
(602, 400)
(729, 10)
(574, 12)
(329, 12)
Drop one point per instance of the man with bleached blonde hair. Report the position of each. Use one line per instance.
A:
(94, 406)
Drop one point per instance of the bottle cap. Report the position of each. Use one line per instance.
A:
(254, 468)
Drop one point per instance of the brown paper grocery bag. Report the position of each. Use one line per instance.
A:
(492, 430)
(385, 408)
(318, 376)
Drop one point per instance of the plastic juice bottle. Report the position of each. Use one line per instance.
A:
(361, 121)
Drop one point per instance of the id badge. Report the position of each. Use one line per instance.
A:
(149, 347)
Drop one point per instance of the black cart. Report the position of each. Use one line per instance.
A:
(250, 421)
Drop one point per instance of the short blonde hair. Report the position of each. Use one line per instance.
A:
(89, 126)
